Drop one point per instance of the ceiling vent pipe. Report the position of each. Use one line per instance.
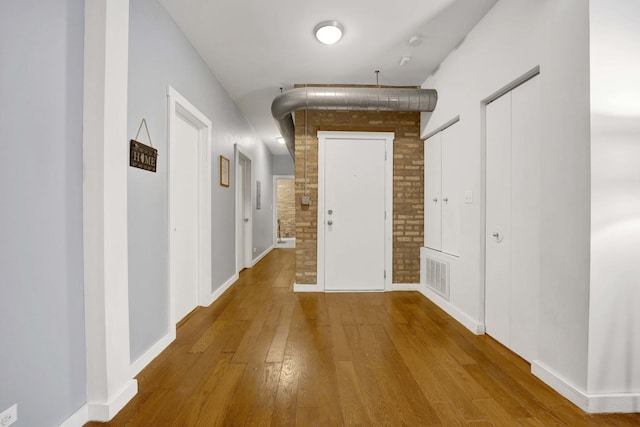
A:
(346, 98)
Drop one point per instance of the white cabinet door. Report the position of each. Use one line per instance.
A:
(432, 193)
(451, 190)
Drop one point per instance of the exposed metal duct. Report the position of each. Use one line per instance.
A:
(346, 98)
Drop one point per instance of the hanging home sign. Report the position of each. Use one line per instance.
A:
(143, 156)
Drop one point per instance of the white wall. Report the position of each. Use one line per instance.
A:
(513, 38)
(42, 350)
(160, 55)
(614, 340)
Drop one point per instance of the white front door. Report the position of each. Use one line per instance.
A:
(353, 212)
(183, 189)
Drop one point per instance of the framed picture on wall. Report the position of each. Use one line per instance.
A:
(224, 171)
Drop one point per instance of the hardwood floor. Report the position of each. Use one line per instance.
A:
(262, 355)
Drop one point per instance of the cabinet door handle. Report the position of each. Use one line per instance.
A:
(445, 199)
(435, 200)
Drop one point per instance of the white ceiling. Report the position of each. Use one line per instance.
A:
(254, 47)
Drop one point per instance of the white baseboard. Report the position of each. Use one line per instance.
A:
(473, 325)
(164, 342)
(285, 243)
(614, 403)
(306, 288)
(262, 255)
(395, 287)
(218, 292)
(405, 287)
(105, 411)
(151, 354)
(591, 403)
(78, 419)
(559, 384)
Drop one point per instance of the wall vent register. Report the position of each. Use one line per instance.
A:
(437, 276)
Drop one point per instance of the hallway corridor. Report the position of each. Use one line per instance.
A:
(262, 355)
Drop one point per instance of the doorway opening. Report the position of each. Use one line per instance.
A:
(284, 211)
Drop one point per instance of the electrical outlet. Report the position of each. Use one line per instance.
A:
(9, 416)
(255, 250)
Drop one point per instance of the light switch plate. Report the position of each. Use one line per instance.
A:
(468, 196)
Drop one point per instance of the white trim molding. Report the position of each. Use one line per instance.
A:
(463, 318)
(78, 418)
(222, 289)
(590, 403)
(262, 255)
(164, 342)
(105, 411)
(151, 354)
(105, 164)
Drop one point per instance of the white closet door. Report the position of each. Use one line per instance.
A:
(451, 189)
(525, 218)
(433, 189)
(513, 219)
(498, 217)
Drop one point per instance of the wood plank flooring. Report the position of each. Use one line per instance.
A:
(264, 356)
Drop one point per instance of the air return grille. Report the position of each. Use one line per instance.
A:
(437, 276)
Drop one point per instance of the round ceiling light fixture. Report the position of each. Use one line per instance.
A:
(280, 140)
(328, 32)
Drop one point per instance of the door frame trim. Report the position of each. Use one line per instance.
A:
(388, 137)
(180, 106)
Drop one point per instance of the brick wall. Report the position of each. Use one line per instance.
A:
(408, 185)
(286, 207)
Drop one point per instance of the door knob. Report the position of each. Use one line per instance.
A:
(330, 222)
(246, 220)
(498, 235)
(330, 211)
(435, 200)
(446, 199)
